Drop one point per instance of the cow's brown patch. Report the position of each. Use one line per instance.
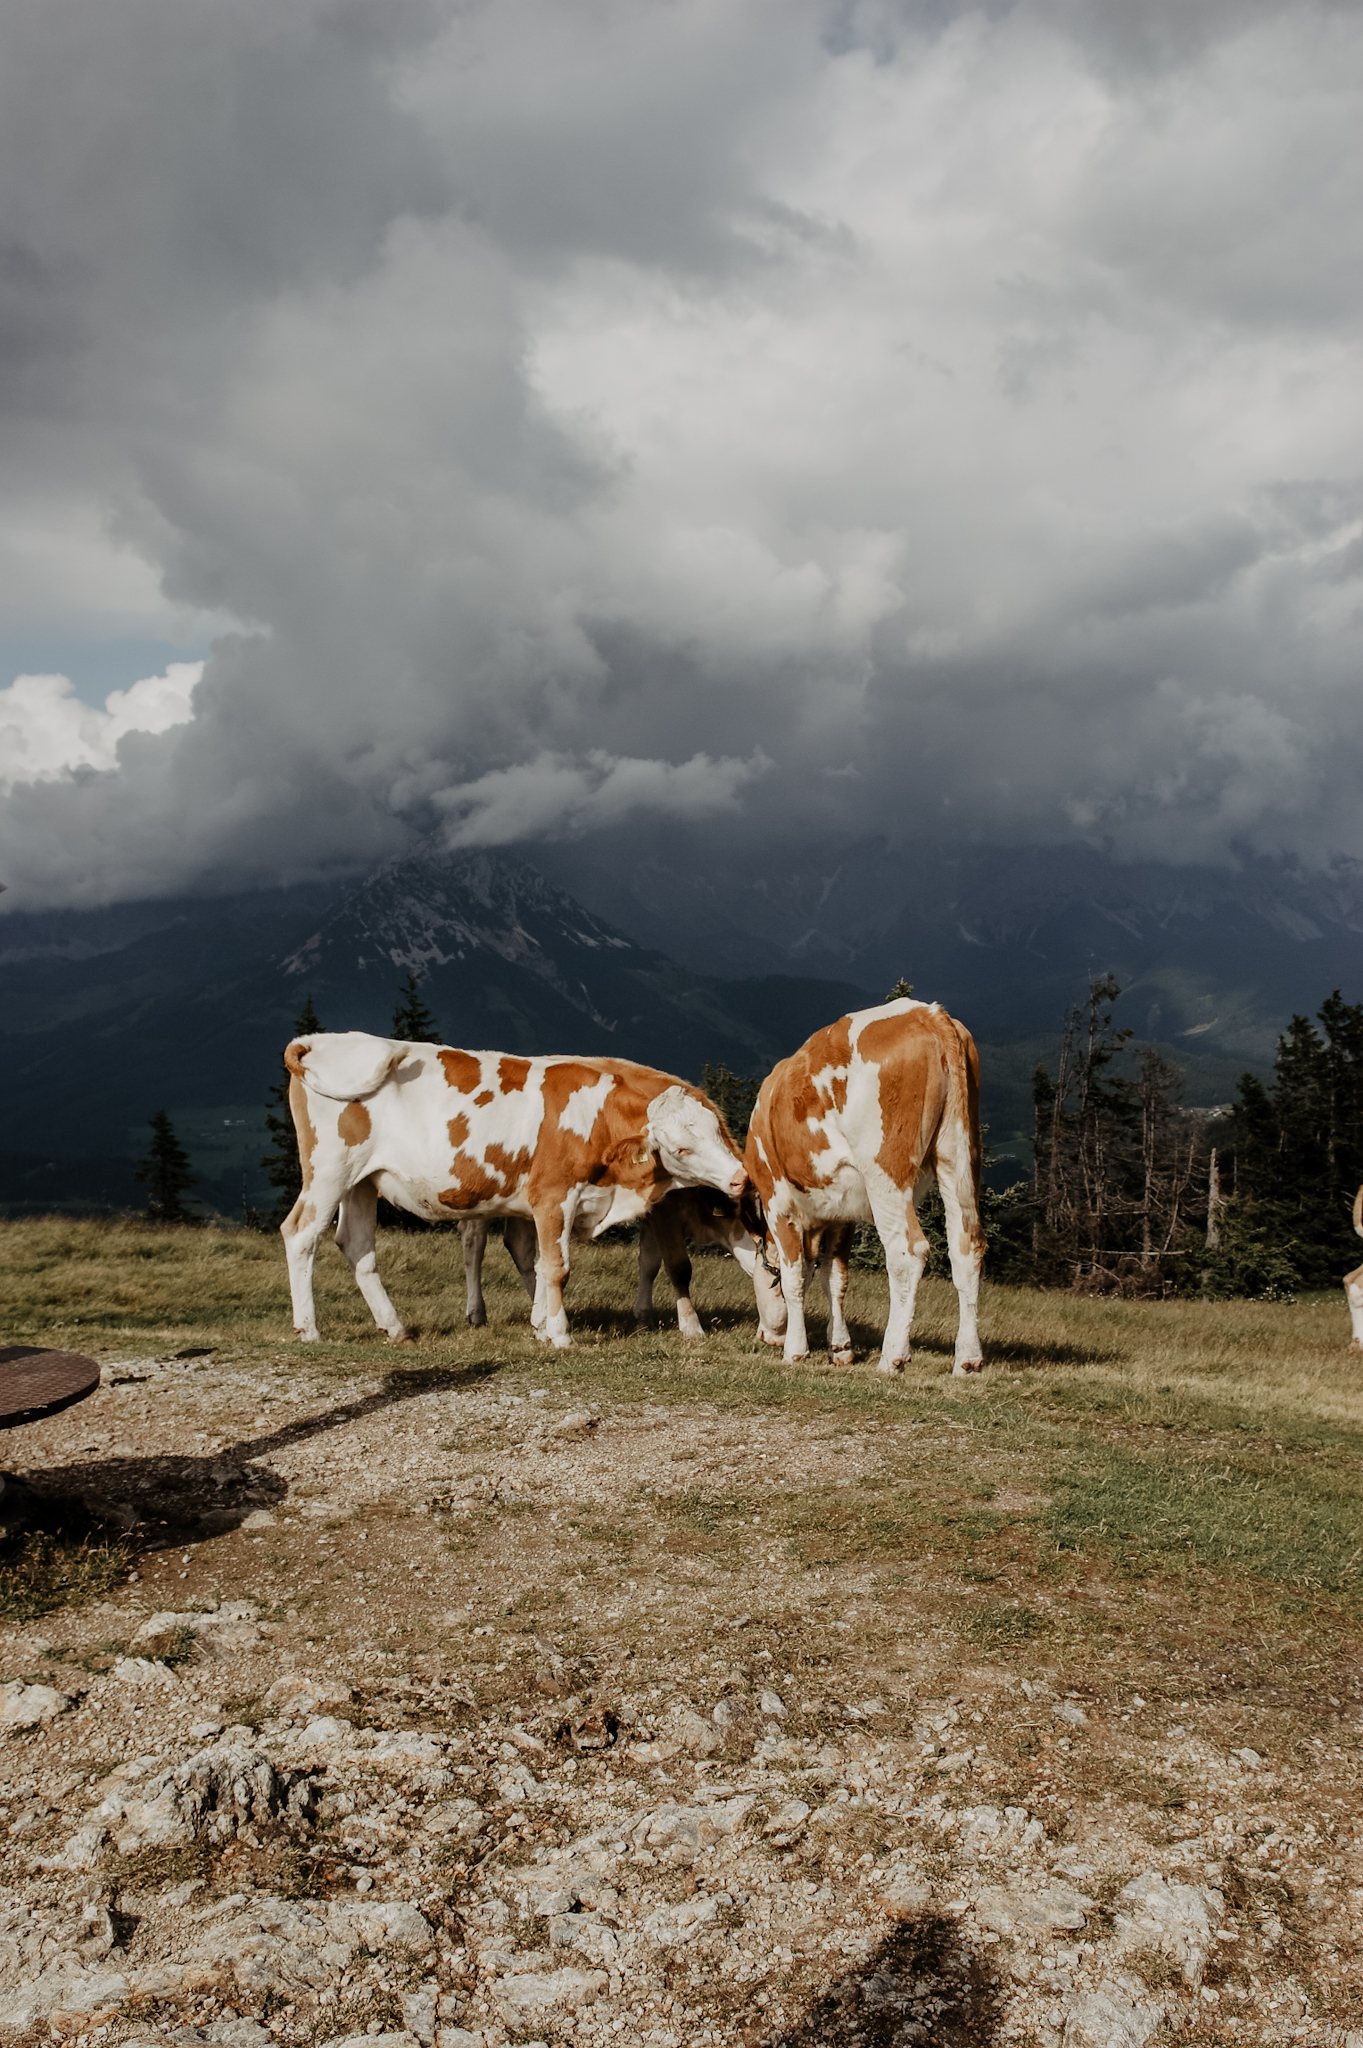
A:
(482, 1099)
(462, 1071)
(473, 1185)
(302, 1124)
(353, 1125)
(913, 1084)
(562, 1079)
(458, 1128)
(512, 1166)
(511, 1074)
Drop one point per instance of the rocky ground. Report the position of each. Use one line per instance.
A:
(454, 1710)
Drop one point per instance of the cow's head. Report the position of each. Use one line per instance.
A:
(692, 1145)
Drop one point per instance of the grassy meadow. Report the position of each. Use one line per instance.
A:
(1193, 1444)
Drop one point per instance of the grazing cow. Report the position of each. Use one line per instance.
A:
(699, 1215)
(847, 1130)
(1353, 1283)
(572, 1144)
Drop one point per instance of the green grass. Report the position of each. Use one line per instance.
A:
(42, 1573)
(1225, 1437)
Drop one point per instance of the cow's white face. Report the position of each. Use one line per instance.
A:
(690, 1143)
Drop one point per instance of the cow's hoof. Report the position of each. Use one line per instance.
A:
(1357, 1344)
(797, 1358)
(776, 1343)
(892, 1368)
(315, 1336)
(648, 1322)
(842, 1356)
(966, 1368)
(402, 1337)
(476, 1319)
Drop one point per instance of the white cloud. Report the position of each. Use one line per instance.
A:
(46, 731)
(576, 394)
(553, 795)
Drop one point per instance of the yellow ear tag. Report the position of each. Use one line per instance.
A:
(642, 1158)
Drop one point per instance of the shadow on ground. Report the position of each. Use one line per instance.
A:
(159, 1502)
(921, 1986)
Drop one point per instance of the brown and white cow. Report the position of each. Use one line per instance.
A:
(686, 1215)
(570, 1144)
(848, 1130)
(1353, 1283)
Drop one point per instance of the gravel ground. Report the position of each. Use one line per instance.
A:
(458, 1715)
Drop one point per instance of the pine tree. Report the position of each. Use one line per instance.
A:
(167, 1174)
(1299, 1149)
(901, 989)
(280, 1163)
(734, 1096)
(411, 1019)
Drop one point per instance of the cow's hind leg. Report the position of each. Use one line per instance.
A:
(302, 1231)
(1353, 1294)
(965, 1249)
(833, 1270)
(906, 1256)
(518, 1235)
(474, 1234)
(355, 1233)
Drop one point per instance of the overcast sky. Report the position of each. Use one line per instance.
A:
(552, 412)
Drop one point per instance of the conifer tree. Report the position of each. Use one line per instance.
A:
(901, 989)
(166, 1174)
(734, 1096)
(411, 1019)
(280, 1163)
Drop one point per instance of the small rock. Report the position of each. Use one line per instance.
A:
(1066, 1710)
(418, 2014)
(575, 1426)
(1120, 2013)
(324, 1731)
(1250, 1758)
(671, 1926)
(700, 1737)
(143, 1671)
(457, 2037)
(397, 2040)
(204, 1731)
(731, 1713)
(521, 1995)
(906, 1894)
(259, 1518)
(30, 1706)
(786, 1820)
(1010, 1912)
(771, 1703)
(1177, 1918)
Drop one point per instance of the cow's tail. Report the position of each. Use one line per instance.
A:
(963, 1103)
(1358, 1212)
(343, 1065)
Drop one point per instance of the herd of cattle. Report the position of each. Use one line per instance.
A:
(848, 1130)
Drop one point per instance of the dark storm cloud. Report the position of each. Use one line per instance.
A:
(585, 412)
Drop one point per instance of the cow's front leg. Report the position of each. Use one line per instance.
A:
(1353, 1294)
(833, 1266)
(790, 1246)
(671, 1239)
(549, 1318)
(650, 1260)
(906, 1256)
(356, 1229)
(474, 1234)
(771, 1308)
